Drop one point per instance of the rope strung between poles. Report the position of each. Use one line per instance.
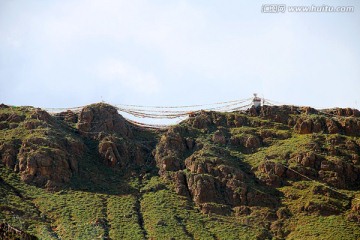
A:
(173, 112)
(186, 106)
(176, 114)
(167, 112)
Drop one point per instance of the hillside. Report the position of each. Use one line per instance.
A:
(276, 172)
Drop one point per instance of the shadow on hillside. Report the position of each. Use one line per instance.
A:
(95, 176)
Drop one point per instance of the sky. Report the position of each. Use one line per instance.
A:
(76, 52)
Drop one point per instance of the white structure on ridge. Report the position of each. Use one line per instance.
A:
(256, 101)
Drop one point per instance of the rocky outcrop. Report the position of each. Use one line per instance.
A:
(304, 126)
(114, 136)
(336, 173)
(211, 208)
(41, 115)
(108, 149)
(49, 151)
(48, 163)
(351, 126)
(9, 151)
(203, 173)
(354, 214)
(247, 142)
(201, 121)
(281, 114)
(68, 116)
(43, 157)
(117, 152)
(204, 188)
(268, 168)
(306, 120)
(170, 151)
(344, 112)
(273, 173)
(339, 174)
(102, 118)
(219, 137)
(207, 157)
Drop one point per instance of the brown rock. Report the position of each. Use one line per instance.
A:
(352, 173)
(102, 118)
(317, 126)
(306, 159)
(351, 126)
(303, 126)
(203, 189)
(211, 208)
(355, 159)
(169, 151)
(279, 170)
(240, 121)
(47, 162)
(326, 165)
(230, 120)
(218, 118)
(332, 126)
(345, 112)
(41, 115)
(68, 116)
(309, 110)
(354, 214)
(190, 143)
(31, 124)
(14, 118)
(219, 137)
(9, 151)
(170, 163)
(4, 116)
(109, 151)
(201, 121)
(252, 142)
(180, 181)
(272, 168)
(273, 173)
(195, 166)
(39, 167)
(242, 210)
(279, 114)
(332, 178)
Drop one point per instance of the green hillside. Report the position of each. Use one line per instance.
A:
(269, 173)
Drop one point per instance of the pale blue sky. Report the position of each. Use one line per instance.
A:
(77, 52)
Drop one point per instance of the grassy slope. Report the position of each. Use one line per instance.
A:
(71, 214)
(79, 215)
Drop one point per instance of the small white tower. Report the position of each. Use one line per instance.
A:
(256, 101)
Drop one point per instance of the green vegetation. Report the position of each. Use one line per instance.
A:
(134, 202)
(319, 227)
(168, 215)
(70, 214)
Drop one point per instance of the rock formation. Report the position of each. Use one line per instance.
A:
(233, 164)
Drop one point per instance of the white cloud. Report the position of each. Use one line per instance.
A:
(13, 42)
(118, 72)
(231, 49)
